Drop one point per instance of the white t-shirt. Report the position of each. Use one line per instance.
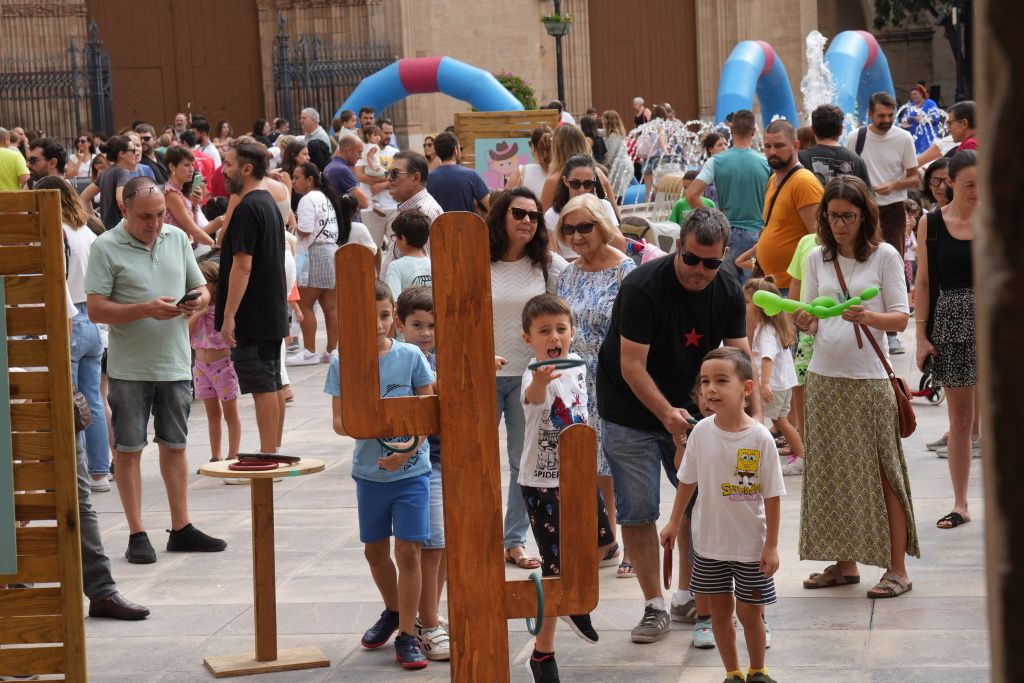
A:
(317, 219)
(533, 177)
(835, 343)
(382, 198)
(888, 158)
(564, 406)
(768, 345)
(406, 272)
(551, 220)
(734, 472)
(79, 245)
(513, 283)
(360, 234)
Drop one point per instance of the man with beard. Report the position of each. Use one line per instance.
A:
(46, 157)
(891, 159)
(147, 136)
(251, 307)
(790, 203)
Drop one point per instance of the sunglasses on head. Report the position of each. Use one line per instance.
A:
(144, 191)
(692, 260)
(581, 228)
(587, 185)
(519, 214)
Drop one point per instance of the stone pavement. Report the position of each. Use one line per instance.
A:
(202, 604)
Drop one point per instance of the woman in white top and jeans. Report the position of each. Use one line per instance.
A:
(522, 266)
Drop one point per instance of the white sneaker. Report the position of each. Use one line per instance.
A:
(434, 642)
(101, 485)
(303, 357)
(794, 466)
(325, 356)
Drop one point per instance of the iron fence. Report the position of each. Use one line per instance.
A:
(313, 73)
(60, 94)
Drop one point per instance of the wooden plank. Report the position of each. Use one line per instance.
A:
(34, 569)
(11, 202)
(19, 260)
(26, 320)
(26, 661)
(263, 581)
(23, 289)
(33, 476)
(31, 630)
(35, 506)
(18, 602)
(30, 417)
(27, 353)
(309, 657)
(29, 385)
(19, 228)
(36, 540)
(32, 446)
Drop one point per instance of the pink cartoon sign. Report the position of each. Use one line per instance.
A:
(498, 158)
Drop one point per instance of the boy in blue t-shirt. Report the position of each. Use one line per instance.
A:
(392, 492)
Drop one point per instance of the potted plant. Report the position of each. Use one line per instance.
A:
(556, 24)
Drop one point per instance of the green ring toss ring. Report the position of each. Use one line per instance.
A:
(534, 626)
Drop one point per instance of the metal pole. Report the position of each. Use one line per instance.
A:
(558, 59)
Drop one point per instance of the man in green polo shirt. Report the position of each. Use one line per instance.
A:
(138, 273)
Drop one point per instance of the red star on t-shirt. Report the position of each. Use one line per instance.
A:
(692, 338)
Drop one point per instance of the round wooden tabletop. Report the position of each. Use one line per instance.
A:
(220, 469)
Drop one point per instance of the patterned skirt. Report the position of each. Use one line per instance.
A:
(953, 335)
(850, 429)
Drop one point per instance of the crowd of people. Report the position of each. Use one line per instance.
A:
(197, 260)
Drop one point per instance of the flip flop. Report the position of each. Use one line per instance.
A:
(611, 558)
(625, 571)
(524, 561)
(890, 586)
(831, 577)
(955, 519)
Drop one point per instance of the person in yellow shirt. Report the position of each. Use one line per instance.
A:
(13, 169)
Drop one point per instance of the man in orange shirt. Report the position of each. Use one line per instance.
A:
(790, 203)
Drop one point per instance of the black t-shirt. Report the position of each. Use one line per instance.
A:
(826, 162)
(681, 327)
(160, 173)
(256, 228)
(108, 181)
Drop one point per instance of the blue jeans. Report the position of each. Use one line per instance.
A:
(86, 352)
(740, 240)
(637, 457)
(510, 404)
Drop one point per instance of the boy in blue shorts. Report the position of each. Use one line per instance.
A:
(735, 522)
(392, 492)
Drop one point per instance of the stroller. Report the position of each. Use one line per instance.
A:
(928, 388)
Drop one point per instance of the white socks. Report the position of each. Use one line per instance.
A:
(657, 603)
(681, 597)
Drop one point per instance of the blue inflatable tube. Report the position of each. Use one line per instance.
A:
(859, 69)
(754, 67)
(428, 75)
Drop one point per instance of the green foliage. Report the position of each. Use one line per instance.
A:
(896, 12)
(556, 19)
(519, 88)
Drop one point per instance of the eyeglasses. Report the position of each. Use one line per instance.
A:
(144, 191)
(34, 160)
(582, 228)
(843, 218)
(692, 260)
(587, 185)
(519, 214)
(394, 173)
(935, 182)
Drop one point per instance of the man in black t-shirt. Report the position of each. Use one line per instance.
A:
(252, 295)
(668, 315)
(828, 158)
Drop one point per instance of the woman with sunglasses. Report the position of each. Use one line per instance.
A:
(79, 162)
(522, 267)
(433, 161)
(856, 503)
(121, 153)
(589, 285)
(566, 142)
(579, 177)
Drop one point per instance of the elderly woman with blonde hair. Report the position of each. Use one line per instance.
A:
(589, 285)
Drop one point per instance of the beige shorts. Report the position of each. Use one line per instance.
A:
(779, 406)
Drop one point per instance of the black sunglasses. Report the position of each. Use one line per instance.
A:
(394, 173)
(587, 185)
(82, 140)
(692, 260)
(34, 160)
(519, 214)
(582, 228)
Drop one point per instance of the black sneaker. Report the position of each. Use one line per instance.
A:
(140, 550)
(189, 539)
(408, 653)
(380, 633)
(581, 626)
(543, 668)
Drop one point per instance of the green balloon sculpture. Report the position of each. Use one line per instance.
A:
(822, 307)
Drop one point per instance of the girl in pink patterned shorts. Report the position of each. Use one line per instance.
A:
(214, 374)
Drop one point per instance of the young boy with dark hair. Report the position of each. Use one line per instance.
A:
(412, 232)
(392, 492)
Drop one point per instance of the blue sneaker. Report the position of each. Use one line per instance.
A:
(703, 636)
(380, 633)
(408, 653)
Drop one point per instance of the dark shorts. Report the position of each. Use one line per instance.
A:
(542, 507)
(258, 365)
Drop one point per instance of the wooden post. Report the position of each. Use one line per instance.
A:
(465, 414)
(264, 587)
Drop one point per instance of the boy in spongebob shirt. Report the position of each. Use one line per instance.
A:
(735, 521)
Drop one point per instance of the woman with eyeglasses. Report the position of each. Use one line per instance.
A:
(522, 267)
(935, 184)
(579, 177)
(79, 162)
(121, 152)
(589, 285)
(856, 504)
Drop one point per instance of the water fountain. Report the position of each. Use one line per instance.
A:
(816, 87)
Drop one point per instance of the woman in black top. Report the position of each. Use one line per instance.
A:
(945, 318)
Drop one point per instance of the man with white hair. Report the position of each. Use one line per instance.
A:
(309, 122)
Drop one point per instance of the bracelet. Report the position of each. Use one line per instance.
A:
(920, 322)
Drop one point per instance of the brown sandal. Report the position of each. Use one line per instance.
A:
(831, 577)
(890, 585)
(523, 561)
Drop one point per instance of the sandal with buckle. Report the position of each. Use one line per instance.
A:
(831, 577)
(890, 585)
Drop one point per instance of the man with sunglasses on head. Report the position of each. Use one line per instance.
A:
(147, 136)
(668, 315)
(407, 179)
(339, 171)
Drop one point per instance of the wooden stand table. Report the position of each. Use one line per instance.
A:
(267, 657)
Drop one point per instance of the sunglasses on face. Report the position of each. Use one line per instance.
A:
(692, 260)
(394, 173)
(935, 182)
(587, 185)
(34, 160)
(146, 138)
(519, 214)
(581, 228)
(83, 141)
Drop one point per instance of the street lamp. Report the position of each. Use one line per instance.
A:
(557, 25)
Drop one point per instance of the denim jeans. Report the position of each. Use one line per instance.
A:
(86, 352)
(637, 458)
(510, 404)
(740, 240)
(97, 583)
